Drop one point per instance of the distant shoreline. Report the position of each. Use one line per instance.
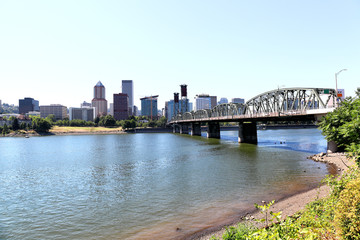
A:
(67, 131)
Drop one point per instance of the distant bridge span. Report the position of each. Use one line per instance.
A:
(285, 104)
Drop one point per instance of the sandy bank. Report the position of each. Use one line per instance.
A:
(295, 203)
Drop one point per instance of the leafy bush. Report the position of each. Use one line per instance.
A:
(347, 211)
(343, 124)
(334, 217)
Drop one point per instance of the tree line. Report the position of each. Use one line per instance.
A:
(45, 124)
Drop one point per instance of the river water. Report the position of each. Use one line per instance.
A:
(146, 186)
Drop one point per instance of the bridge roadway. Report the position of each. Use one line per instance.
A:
(288, 104)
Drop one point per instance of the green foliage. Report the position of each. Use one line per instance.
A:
(51, 118)
(15, 124)
(161, 122)
(334, 217)
(40, 125)
(64, 122)
(128, 124)
(264, 209)
(347, 211)
(5, 129)
(97, 120)
(23, 126)
(353, 151)
(107, 121)
(77, 123)
(241, 232)
(343, 124)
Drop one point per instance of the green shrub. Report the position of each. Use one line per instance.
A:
(347, 211)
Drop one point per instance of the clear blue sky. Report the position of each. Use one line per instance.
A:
(56, 51)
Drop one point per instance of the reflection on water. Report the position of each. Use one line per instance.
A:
(146, 186)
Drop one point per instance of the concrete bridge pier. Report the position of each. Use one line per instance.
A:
(176, 128)
(213, 130)
(247, 132)
(184, 129)
(195, 129)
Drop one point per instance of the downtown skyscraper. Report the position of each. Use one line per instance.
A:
(99, 101)
(127, 87)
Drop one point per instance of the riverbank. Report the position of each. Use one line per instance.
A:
(288, 206)
(56, 130)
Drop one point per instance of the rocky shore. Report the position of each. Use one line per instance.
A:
(295, 203)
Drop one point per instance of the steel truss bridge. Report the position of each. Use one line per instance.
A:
(285, 104)
(275, 105)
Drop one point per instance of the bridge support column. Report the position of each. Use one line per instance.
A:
(184, 129)
(333, 147)
(213, 130)
(176, 128)
(247, 132)
(195, 129)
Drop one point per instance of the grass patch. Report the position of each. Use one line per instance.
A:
(57, 129)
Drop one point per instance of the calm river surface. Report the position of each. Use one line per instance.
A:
(146, 186)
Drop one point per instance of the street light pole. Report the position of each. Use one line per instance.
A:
(336, 74)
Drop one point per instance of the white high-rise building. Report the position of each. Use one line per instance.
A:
(127, 87)
(202, 101)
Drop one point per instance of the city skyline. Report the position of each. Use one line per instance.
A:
(233, 49)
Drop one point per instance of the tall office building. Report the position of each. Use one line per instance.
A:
(127, 87)
(213, 100)
(58, 110)
(202, 101)
(238, 100)
(121, 106)
(99, 102)
(28, 105)
(149, 106)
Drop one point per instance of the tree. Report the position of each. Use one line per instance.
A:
(40, 124)
(107, 121)
(97, 120)
(343, 126)
(51, 118)
(161, 122)
(15, 124)
(23, 125)
(5, 129)
(129, 124)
